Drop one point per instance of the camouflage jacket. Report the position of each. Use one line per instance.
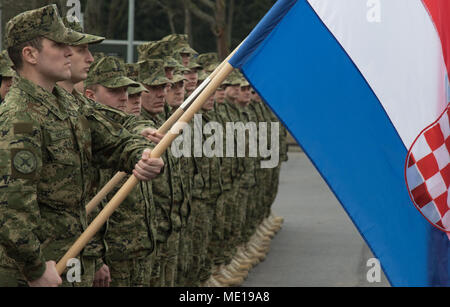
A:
(166, 194)
(231, 166)
(136, 210)
(207, 183)
(248, 117)
(47, 150)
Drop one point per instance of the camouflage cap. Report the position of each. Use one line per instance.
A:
(150, 50)
(193, 64)
(151, 72)
(75, 25)
(170, 62)
(233, 79)
(137, 90)
(132, 71)
(44, 22)
(109, 72)
(6, 65)
(179, 43)
(206, 59)
(202, 75)
(178, 77)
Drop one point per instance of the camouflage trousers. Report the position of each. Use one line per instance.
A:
(133, 272)
(238, 220)
(271, 185)
(216, 251)
(184, 256)
(165, 265)
(231, 208)
(10, 275)
(202, 214)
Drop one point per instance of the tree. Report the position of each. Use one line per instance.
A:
(215, 14)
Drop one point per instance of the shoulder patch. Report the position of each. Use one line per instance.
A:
(23, 128)
(23, 161)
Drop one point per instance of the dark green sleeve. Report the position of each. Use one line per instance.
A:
(20, 166)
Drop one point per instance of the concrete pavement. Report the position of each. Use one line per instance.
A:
(318, 244)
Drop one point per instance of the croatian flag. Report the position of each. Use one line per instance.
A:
(362, 85)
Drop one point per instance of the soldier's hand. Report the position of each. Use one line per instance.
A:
(102, 277)
(50, 278)
(152, 135)
(148, 168)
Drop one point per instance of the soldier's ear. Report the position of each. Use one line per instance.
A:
(30, 55)
(89, 94)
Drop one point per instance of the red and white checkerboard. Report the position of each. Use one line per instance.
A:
(428, 172)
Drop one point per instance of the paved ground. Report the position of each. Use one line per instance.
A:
(318, 244)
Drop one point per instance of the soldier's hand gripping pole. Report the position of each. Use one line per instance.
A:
(118, 198)
(162, 130)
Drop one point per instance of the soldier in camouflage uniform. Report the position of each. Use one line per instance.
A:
(128, 253)
(48, 147)
(6, 75)
(167, 190)
(134, 102)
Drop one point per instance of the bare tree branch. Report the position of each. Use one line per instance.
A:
(199, 13)
(208, 3)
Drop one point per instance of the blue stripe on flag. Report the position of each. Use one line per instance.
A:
(306, 77)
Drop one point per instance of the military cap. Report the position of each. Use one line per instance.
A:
(206, 59)
(133, 73)
(210, 68)
(232, 79)
(44, 22)
(151, 72)
(179, 43)
(6, 65)
(109, 72)
(177, 77)
(75, 25)
(150, 50)
(202, 75)
(193, 64)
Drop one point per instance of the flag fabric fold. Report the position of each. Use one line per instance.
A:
(356, 83)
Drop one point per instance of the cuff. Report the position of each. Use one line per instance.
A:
(35, 270)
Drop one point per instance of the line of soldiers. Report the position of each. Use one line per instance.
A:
(193, 220)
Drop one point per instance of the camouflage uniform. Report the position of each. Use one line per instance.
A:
(47, 151)
(6, 70)
(233, 169)
(167, 192)
(208, 220)
(128, 252)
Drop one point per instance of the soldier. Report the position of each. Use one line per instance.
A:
(182, 52)
(134, 102)
(167, 191)
(192, 76)
(6, 75)
(128, 255)
(207, 205)
(47, 148)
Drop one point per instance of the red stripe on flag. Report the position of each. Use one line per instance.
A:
(439, 11)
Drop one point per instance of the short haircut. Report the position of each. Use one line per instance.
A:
(15, 52)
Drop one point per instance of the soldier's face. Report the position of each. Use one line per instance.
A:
(6, 84)
(134, 104)
(192, 80)
(219, 95)
(81, 61)
(244, 96)
(114, 97)
(169, 72)
(185, 58)
(53, 62)
(175, 94)
(153, 101)
(209, 104)
(232, 92)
